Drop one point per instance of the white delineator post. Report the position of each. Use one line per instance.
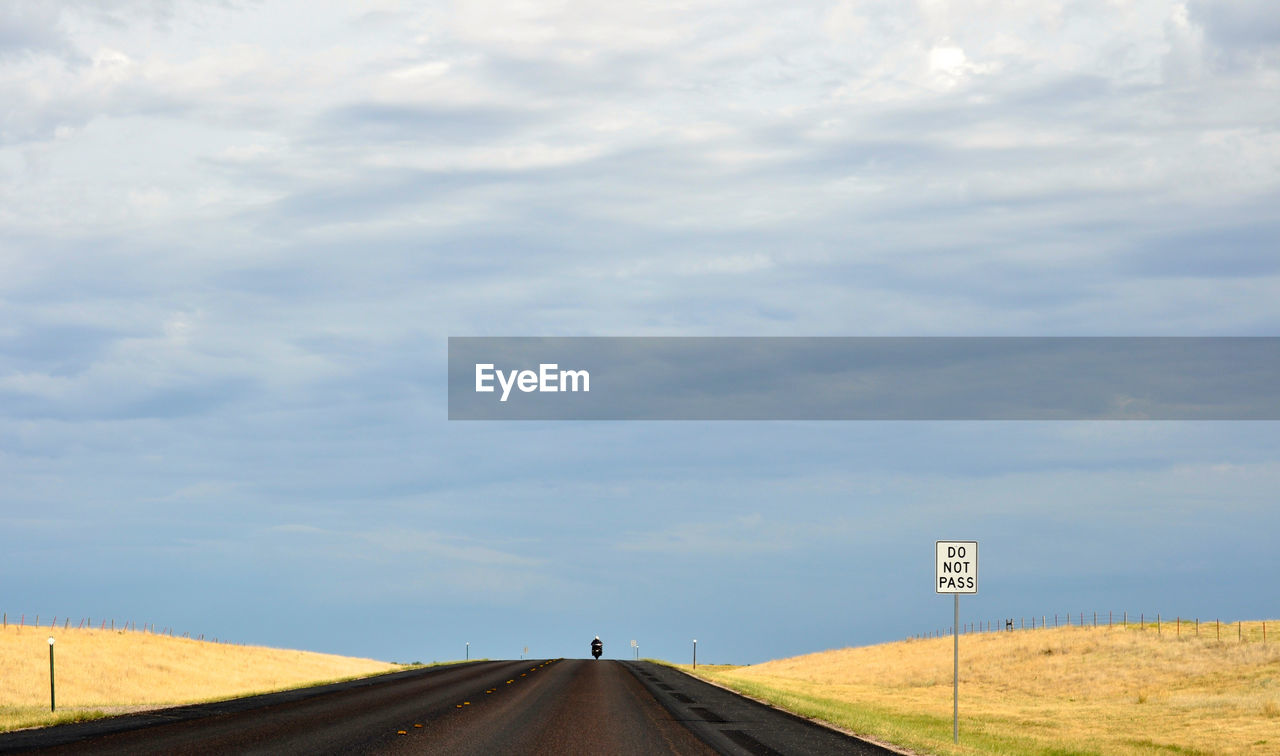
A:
(53, 706)
(955, 572)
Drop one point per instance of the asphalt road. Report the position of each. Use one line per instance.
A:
(507, 707)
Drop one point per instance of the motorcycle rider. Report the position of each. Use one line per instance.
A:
(597, 647)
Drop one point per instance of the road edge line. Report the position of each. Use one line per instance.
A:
(794, 715)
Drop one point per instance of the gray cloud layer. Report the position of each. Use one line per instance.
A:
(234, 238)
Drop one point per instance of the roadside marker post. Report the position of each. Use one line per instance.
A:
(955, 572)
(52, 700)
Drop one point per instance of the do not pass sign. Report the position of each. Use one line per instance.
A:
(956, 564)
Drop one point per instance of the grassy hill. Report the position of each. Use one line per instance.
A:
(101, 672)
(1046, 691)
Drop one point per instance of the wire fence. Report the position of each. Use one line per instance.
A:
(105, 624)
(1175, 627)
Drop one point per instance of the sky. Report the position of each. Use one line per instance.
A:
(235, 238)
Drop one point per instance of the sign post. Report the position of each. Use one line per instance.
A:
(955, 572)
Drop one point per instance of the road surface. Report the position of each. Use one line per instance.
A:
(507, 707)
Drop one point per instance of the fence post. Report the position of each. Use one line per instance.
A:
(1157, 623)
(1217, 629)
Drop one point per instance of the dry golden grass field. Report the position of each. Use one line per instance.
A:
(1046, 691)
(113, 671)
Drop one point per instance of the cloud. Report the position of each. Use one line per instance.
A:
(1238, 25)
(234, 238)
(737, 538)
(388, 542)
(28, 28)
(371, 123)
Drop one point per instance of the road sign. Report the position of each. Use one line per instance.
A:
(955, 572)
(956, 567)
